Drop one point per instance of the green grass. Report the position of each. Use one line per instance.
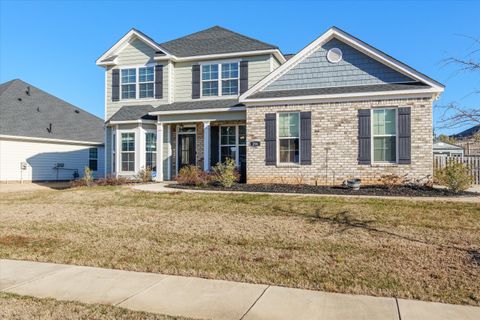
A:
(396, 248)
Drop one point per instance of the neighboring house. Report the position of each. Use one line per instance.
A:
(445, 148)
(337, 109)
(43, 138)
(469, 140)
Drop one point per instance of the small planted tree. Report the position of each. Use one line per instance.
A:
(225, 173)
(456, 176)
(87, 177)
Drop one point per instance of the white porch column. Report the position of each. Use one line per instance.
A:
(169, 152)
(118, 152)
(206, 145)
(159, 176)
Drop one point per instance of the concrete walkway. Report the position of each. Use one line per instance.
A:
(163, 187)
(210, 299)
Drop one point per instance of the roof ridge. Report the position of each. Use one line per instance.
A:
(55, 97)
(245, 36)
(4, 86)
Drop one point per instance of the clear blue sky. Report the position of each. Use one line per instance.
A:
(53, 45)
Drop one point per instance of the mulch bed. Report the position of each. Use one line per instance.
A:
(371, 190)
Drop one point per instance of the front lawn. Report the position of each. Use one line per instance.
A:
(28, 308)
(420, 250)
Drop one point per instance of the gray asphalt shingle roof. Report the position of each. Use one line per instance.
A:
(30, 115)
(196, 105)
(468, 133)
(213, 41)
(131, 113)
(339, 90)
(126, 113)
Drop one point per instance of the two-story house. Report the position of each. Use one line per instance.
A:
(337, 109)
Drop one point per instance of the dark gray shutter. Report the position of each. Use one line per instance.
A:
(214, 147)
(115, 85)
(404, 135)
(270, 139)
(364, 137)
(196, 81)
(305, 138)
(158, 81)
(243, 76)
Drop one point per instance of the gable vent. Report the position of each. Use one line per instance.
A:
(334, 55)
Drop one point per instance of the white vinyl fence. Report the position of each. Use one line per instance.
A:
(473, 163)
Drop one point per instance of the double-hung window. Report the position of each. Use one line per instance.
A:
(93, 159)
(146, 82)
(137, 83)
(384, 135)
(151, 151)
(220, 79)
(114, 152)
(233, 142)
(289, 137)
(129, 83)
(128, 151)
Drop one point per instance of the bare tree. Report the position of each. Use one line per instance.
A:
(455, 115)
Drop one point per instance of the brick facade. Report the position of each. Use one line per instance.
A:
(335, 144)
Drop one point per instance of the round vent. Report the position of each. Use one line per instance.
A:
(334, 55)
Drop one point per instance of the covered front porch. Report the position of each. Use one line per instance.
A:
(199, 143)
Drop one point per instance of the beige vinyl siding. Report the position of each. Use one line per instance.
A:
(258, 68)
(274, 63)
(136, 53)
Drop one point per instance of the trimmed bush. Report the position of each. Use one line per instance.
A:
(193, 176)
(225, 173)
(456, 176)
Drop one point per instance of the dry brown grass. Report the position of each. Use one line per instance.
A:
(29, 308)
(420, 250)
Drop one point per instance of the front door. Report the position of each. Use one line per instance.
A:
(186, 150)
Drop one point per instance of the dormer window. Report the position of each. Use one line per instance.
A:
(141, 89)
(220, 79)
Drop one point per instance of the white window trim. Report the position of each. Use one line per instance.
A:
(277, 128)
(372, 136)
(237, 142)
(219, 80)
(154, 131)
(120, 152)
(137, 82)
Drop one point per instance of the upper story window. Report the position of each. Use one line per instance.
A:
(146, 82)
(129, 80)
(289, 137)
(141, 89)
(384, 135)
(220, 79)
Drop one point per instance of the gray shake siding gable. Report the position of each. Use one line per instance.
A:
(354, 69)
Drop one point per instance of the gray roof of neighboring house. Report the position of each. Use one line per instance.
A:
(127, 113)
(31, 115)
(214, 40)
(339, 90)
(468, 133)
(441, 145)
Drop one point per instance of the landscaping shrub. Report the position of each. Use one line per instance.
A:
(145, 175)
(225, 173)
(86, 180)
(193, 176)
(455, 176)
(391, 180)
(113, 181)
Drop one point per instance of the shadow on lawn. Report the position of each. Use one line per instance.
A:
(345, 221)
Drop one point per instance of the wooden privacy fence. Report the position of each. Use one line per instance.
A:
(473, 163)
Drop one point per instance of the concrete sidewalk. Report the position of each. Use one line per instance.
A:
(210, 299)
(162, 187)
